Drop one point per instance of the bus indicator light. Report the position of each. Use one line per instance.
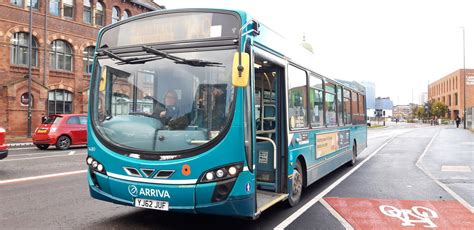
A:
(186, 170)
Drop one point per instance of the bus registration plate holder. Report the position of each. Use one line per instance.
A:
(152, 204)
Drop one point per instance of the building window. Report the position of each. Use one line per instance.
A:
(68, 6)
(54, 7)
(17, 2)
(126, 14)
(115, 14)
(297, 98)
(59, 101)
(87, 12)
(456, 99)
(99, 14)
(88, 59)
(19, 50)
(35, 4)
(61, 55)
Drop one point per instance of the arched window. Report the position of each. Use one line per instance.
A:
(87, 12)
(60, 55)
(54, 7)
(68, 7)
(99, 14)
(19, 50)
(126, 14)
(59, 101)
(115, 14)
(88, 59)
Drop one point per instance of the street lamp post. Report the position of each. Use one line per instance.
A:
(30, 43)
(464, 75)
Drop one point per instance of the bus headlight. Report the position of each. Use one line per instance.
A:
(221, 173)
(209, 176)
(232, 170)
(95, 165)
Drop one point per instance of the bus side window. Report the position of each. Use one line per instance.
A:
(316, 101)
(297, 98)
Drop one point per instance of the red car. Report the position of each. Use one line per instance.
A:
(3, 145)
(62, 130)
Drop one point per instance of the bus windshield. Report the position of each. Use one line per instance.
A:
(161, 103)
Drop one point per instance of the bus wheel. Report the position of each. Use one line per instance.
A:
(354, 155)
(297, 187)
(63, 142)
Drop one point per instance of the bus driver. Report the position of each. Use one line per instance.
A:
(171, 111)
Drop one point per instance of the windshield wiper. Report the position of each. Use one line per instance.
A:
(133, 60)
(180, 60)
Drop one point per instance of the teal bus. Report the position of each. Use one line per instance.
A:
(209, 111)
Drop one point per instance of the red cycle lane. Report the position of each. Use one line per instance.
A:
(402, 214)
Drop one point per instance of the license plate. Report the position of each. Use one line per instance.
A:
(42, 131)
(152, 204)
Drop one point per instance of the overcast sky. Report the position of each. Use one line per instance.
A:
(400, 45)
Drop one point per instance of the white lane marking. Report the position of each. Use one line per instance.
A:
(318, 197)
(455, 168)
(35, 153)
(341, 219)
(445, 187)
(32, 158)
(71, 153)
(41, 177)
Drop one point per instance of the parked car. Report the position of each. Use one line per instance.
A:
(61, 130)
(368, 122)
(3, 144)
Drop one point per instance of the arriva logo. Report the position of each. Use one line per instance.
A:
(134, 191)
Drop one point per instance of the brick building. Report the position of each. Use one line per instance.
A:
(450, 90)
(64, 33)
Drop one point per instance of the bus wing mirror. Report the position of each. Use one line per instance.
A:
(103, 79)
(241, 69)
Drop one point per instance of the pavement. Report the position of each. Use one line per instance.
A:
(450, 160)
(18, 141)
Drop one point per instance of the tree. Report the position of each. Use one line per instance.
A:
(439, 109)
(420, 113)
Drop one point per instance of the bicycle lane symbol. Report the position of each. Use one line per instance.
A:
(411, 217)
(367, 213)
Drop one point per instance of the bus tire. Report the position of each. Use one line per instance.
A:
(354, 155)
(295, 193)
(63, 142)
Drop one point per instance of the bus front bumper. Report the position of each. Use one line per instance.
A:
(194, 198)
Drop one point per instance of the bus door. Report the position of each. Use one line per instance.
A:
(269, 75)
